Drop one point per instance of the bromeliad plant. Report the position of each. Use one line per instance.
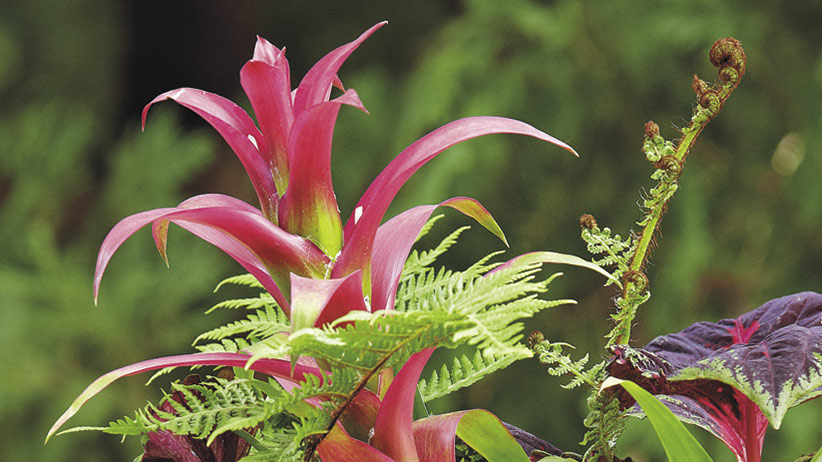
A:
(327, 364)
(325, 337)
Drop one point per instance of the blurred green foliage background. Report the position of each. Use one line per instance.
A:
(74, 76)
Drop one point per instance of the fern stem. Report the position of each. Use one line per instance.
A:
(726, 54)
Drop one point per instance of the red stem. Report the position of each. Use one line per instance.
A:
(753, 451)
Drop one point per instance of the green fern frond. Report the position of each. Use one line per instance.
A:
(443, 308)
(610, 250)
(560, 363)
(463, 372)
(606, 423)
(246, 280)
(419, 260)
(426, 228)
(447, 308)
(206, 410)
(262, 323)
(255, 303)
(210, 409)
(277, 440)
(226, 345)
(492, 302)
(365, 341)
(138, 425)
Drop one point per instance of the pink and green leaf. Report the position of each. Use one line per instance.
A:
(338, 446)
(435, 437)
(238, 130)
(309, 206)
(315, 302)
(267, 82)
(362, 225)
(273, 367)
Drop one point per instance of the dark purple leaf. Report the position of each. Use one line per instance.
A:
(531, 443)
(733, 376)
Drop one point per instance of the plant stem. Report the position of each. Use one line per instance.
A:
(726, 54)
(753, 451)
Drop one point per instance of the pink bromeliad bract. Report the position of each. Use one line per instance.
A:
(297, 232)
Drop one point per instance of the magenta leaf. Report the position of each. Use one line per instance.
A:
(274, 367)
(234, 249)
(267, 82)
(733, 376)
(280, 252)
(362, 225)
(239, 131)
(393, 430)
(395, 237)
(309, 206)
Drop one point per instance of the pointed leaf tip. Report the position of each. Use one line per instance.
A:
(679, 444)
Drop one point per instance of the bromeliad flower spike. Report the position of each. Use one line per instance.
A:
(297, 232)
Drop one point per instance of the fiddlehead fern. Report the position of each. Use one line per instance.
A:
(630, 256)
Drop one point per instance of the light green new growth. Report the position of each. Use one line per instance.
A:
(628, 256)
(241, 280)
(550, 353)
(265, 299)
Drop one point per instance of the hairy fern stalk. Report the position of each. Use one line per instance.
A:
(627, 257)
(480, 307)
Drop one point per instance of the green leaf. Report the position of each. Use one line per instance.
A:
(485, 433)
(680, 445)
